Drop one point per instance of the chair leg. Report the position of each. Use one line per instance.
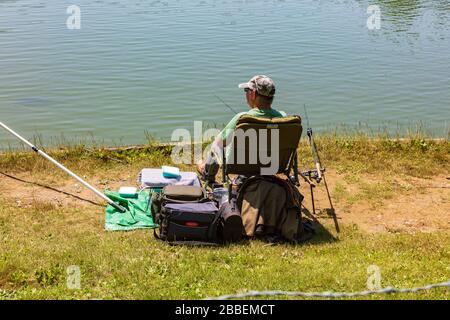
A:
(311, 186)
(224, 164)
(297, 182)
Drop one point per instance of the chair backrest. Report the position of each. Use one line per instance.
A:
(263, 146)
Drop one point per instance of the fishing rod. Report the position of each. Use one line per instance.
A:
(318, 174)
(56, 163)
(229, 107)
(319, 170)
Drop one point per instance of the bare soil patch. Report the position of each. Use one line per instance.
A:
(372, 203)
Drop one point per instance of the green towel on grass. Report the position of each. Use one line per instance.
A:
(137, 216)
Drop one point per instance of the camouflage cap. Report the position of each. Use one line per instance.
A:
(263, 85)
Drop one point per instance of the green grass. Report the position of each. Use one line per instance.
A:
(415, 156)
(39, 242)
(375, 193)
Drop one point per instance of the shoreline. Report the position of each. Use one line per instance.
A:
(159, 144)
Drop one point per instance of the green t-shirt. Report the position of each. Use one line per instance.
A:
(263, 113)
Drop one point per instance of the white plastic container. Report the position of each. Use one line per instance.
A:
(128, 192)
(170, 172)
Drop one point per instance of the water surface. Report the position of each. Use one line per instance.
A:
(139, 67)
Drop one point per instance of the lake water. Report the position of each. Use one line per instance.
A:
(149, 67)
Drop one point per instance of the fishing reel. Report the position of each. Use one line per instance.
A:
(310, 176)
(315, 174)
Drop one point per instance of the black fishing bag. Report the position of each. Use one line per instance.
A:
(185, 215)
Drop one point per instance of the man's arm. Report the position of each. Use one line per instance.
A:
(224, 135)
(221, 140)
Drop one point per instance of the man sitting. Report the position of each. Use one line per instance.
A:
(259, 93)
(269, 206)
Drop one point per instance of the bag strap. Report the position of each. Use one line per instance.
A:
(214, 225)
(193, 243)
(185, 201)
(186, 243)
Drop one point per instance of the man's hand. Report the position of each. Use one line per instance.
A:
(201, 167)
(218, 145)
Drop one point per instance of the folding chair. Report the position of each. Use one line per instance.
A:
(257, 140)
